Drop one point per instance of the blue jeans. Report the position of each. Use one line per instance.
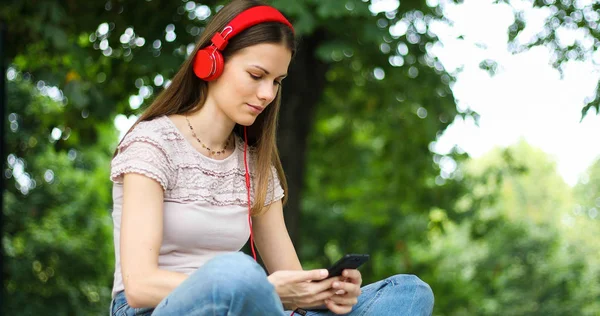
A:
(234, 284)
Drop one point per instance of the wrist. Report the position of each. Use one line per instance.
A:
(286, 303)
(289, 306)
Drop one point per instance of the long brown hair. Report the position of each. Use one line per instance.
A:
(187, 93)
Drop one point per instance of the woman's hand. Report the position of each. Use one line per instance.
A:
(346, 292)
(305, 289)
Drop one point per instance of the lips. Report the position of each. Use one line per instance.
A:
(255, 108)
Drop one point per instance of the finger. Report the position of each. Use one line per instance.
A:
(337, 309)
(353, 276)
(325, 284)
(345, 300)
(350, 288)
(310, 292)
(308, 275)
(328, 281)
(317, 300)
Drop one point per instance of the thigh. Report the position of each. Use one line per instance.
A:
(119, 307)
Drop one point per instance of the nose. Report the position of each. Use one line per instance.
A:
(267, 91)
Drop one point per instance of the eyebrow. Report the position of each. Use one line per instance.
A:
(267, 72)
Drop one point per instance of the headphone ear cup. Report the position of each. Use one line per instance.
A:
(203, 63)
(218, 64)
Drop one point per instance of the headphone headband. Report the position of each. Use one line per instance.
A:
(246, 19)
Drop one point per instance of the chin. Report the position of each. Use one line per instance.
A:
(246, 120)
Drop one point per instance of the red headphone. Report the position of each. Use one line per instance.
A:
(208, 62)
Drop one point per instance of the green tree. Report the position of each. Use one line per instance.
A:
(57, 235)
(501, 256)
(516, 268)
(100, 54)
(584, 229)
(587, 193)
(368, 75)
(530, 187)
(561, 16)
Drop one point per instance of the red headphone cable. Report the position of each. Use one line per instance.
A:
(247, 176)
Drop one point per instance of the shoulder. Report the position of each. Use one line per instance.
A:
(148, 150)
(158, 132)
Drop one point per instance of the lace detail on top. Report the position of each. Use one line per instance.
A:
(158, 150)
(143, 151)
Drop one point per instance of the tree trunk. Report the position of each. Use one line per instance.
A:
(301, 92)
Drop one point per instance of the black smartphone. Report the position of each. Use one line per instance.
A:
(349, 261)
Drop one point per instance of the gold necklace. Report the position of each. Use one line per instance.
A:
(210, 151)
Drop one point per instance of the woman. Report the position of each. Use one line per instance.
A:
(202, 159)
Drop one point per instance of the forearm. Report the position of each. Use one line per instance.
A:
(150, 288)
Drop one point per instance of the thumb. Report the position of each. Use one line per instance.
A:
(308, 275)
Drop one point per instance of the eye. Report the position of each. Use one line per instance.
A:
(276, 83)
(255, 77)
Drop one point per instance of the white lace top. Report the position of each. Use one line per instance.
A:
(205, 200)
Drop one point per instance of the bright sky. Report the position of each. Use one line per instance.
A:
(525, 99)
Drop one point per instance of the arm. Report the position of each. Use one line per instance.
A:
(273, 240)
(141, 237)
(278, 253)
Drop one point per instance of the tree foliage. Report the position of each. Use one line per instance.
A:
(578, 18)
(100, 60)
(512, 253)
(58, 228)
(363, 103)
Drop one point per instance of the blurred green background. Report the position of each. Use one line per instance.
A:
(489, 237)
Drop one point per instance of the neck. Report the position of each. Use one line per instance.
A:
(211, 125)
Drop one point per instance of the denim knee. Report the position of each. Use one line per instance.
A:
(238, 273)
(232, 284)
(423, 295)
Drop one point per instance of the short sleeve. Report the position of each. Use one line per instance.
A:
(143, 152)
(274, 190)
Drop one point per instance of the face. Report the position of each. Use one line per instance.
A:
(250, 81)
